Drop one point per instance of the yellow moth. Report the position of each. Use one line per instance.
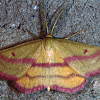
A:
(57, 64)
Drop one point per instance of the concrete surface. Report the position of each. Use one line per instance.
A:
(16, 15)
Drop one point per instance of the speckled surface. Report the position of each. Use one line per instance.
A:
(25, 13)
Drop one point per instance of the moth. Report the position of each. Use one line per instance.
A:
(57, 64)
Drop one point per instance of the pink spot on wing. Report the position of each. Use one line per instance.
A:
(85, 51)
(13, 53)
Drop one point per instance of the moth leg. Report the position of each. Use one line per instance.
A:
(31, 33)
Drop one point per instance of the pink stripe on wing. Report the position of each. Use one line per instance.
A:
(49, 64)
(93, 73)
(24, 60)
(68, 90)
(53, 87)
(26, 91)
(79, 58)
(7, 77)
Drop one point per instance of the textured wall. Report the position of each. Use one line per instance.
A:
(16, 15)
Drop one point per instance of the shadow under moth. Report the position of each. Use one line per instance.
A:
(57, 64)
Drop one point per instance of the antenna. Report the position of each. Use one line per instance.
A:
(74, 34)
(58, 18)
(45, 19)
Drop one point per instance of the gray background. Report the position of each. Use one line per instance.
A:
(78, 14)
